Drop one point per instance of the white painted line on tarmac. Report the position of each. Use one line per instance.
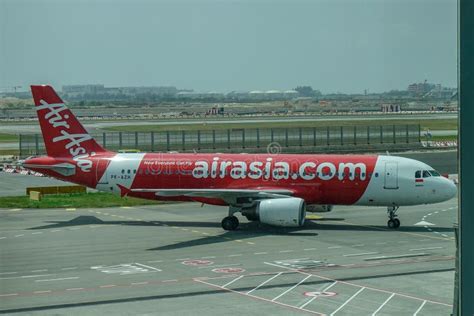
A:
(107, 286)
(283, 251)
(58, 279)
(260, 253)
(20, 235)
(358, 245)
(139, 283)
(3, 237)
(56, 230)
(208, 257)
(360, 254)
(172, 280)
(75, 289)
(36, 233)
(291, 288)
(309, 249)
(236, 279)
(383, 304)
(419, 308)
(42, 270)
(428, 248)
(69, 268)
(42, 292)
(148, 267)
(346, 302)
(236, 255)
(25, 276)
(314, 297)
(8, 273)
(335, 247)
(265, 282)
(9, 294)
(15, 209)
(71, 209)
(153, 261)
(34, 276)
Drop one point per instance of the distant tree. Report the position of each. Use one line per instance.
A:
(307, 91)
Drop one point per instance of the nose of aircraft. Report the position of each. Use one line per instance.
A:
(450, 189)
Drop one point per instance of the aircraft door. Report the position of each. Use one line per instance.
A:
(391, 175)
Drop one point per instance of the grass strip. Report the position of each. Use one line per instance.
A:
(437, 124)
(75, 200)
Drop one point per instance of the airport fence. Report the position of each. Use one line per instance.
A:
(304, 139)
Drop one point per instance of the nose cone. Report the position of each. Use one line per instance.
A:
(450, 189)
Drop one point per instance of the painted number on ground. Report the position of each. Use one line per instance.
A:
(197, 262)
(322, 294)
(126, 268)
(304, 263)
(228, 270)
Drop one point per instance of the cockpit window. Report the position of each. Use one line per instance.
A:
(426, 174)
(418, 174)
(435, 173)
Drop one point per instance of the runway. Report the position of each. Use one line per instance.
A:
(177, 260)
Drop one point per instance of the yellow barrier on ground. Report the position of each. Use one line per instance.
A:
(35, 195)
(58, 189)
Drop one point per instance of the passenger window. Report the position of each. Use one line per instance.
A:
(426, 174)
(418, 174)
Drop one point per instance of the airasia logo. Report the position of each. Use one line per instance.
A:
(56, 119)
(280, 170)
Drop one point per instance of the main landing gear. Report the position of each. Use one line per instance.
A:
(393, 221)
(231, 222)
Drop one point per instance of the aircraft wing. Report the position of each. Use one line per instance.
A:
(225, 194)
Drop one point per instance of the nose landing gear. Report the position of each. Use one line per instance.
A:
(393, 221)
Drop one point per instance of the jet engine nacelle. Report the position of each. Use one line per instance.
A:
(285, 212)
(319, 208)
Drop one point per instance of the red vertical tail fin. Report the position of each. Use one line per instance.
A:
(63, 134)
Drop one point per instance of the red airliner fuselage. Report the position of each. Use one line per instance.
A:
(275, 189)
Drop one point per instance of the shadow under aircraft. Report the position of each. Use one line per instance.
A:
(245, 231)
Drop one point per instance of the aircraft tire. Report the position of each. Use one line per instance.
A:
(397, 222)
(230, 223)
(391, 224)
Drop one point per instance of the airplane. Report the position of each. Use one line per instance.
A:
(274, 189)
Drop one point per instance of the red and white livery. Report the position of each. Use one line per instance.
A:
(273, 189)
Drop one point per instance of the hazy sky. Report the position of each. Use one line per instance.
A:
(332, 45)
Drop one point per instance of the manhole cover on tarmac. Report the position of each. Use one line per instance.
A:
(197, 262)
(228, 270)
(321, 294)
